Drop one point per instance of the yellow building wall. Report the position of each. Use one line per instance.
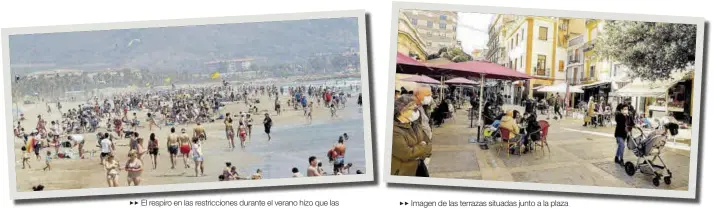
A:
(406, 44)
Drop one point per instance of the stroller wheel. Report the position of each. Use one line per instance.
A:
(668, 180)
(629, 168)
(655, 181)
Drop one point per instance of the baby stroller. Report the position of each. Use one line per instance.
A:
(643, 146)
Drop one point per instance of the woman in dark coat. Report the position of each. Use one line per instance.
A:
(624, 123)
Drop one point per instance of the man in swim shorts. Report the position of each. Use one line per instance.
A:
(173, 145)
(185, 147)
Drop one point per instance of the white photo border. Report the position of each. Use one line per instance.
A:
(368, 175)
(692, 187)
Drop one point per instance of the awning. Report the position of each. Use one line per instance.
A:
(642, 88)
(562, 87)
(596, 84)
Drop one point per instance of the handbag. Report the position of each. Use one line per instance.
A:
(422, 170)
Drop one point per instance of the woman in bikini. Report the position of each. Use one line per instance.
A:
(153, 148)
(112, 168)
(197, 155)
(134, 168)
(140, 150)
(230, 135)
(242, 133)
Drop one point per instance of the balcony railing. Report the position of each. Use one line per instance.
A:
(544, 72)
(576, 41)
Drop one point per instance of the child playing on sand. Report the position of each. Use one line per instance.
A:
(257, 175)
(48, 158)
(234, 174)
(25, 158)
(333, 110)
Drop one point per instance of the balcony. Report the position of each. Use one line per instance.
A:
(541, 72)
(589, 46)
(576, 41)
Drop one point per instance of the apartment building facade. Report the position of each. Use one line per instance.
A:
(437, 28)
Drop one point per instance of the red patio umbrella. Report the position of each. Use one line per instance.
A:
(408, 65)
(478, 68)
(483, 69)
(461, 80)
(422, 79)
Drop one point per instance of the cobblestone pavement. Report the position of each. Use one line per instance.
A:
(577, 156)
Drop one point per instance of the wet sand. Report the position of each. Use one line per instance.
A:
(293, 141)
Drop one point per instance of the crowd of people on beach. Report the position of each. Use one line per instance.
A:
(165, 110)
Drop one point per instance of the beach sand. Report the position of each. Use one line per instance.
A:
(87, 173)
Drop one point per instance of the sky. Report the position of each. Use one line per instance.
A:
(472, 30)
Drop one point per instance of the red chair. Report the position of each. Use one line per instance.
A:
(543, 143)
(506, 141)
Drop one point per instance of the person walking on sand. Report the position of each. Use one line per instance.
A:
(199, 132)
(153, 148)
(106, 147)
(111, 166)
(185, 147)
(313, 170)
(249, 124)
(134, 168)
(339, 150)
(152, 122)
(333, 110)
(267, 123)
(48, 160)
(230, 134)
(25, 158)
(197, 155)
(173, 145)
(242, 134)
(140, 150)
(308, 114)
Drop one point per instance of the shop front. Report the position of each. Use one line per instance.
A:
(660, 98)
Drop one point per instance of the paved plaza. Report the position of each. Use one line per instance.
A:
(578, 156)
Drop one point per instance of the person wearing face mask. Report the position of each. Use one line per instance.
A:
(624, 123)
(409, 142)
(424, 100)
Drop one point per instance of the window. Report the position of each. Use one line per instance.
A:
(516, 39)
(561, 66)
(454, 28)
(415, 21)
(522, 60)
(540, 67)
(512, 46)
(428, 34)
(543, 33)
(442, 25)
(523, 32)
(516, 64)
(429, 24)
(592, 71)
(442, 17)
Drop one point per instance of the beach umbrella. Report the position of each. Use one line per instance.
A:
(215, 75)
